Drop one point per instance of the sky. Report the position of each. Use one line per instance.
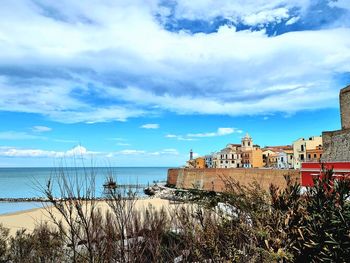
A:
(141, 82)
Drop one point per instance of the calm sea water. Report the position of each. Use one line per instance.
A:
(25, 182)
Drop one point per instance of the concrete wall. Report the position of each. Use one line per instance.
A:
(344, 98)
(212, 179)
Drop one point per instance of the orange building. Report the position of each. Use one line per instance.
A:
(314, 155)
(200, 163)
(252, 158)
(251, 154)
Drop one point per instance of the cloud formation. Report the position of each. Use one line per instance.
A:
(73, 61)
(41, 129)
(79, 151)
(18, 152)
(14, 135)
(219, 132)
(194, 136)
(150, 126)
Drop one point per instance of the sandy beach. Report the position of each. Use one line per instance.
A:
(30, 218)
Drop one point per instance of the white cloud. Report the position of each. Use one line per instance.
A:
(41, 129)
(266, 16)
(208, 9)
(13, 135)
(165, 152)
(150, 126)
(123, 144)
(194, 136)
(19, 152)
(117, 62)
(131, 157)
(170, 136)
(179, 137)
(130, 152)
(219, 132)
(340, 3)
(293, 20)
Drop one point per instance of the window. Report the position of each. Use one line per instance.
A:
(282, 159)
(302, 157)
(302, 148)
(315, 155)
(232, 161)
(226, 161)
(248, 143)
(320, 155)
(309, 156)
(221, 161)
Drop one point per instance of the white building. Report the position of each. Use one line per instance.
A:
(229, 157)
(285, 159)
(301, 145)
(209, 160)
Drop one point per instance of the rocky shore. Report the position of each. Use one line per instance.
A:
(161, 191)
(40, 199)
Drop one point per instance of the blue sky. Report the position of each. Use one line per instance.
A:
(140, 83)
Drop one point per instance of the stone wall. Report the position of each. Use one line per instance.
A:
(213, 178)
(336, 146)
(344, 98)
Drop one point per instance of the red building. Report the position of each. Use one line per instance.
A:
(311, 171)
(336, 148)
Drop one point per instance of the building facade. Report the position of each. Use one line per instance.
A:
(229, 157)
(300, 147)
(314, 155)
(251, 154)
(285, 159)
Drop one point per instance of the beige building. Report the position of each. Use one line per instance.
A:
(267, 155)
(300, 148)
(229, 157)
(244, 155)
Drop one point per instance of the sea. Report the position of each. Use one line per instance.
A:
(30, 182)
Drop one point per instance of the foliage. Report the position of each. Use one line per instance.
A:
(242, 224)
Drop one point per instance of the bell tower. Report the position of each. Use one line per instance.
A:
(247, 142)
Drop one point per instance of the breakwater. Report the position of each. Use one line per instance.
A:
(213, 179)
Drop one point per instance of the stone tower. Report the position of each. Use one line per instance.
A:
(344, 98)
(336, 144)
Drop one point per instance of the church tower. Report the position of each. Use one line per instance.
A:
(247, 142)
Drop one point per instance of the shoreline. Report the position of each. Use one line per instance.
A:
(29, 218)
(20, 212)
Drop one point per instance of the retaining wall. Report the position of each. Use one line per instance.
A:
(212, 178)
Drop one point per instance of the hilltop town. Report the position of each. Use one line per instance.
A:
(331, 146)
(250, 155)
(302, 161)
